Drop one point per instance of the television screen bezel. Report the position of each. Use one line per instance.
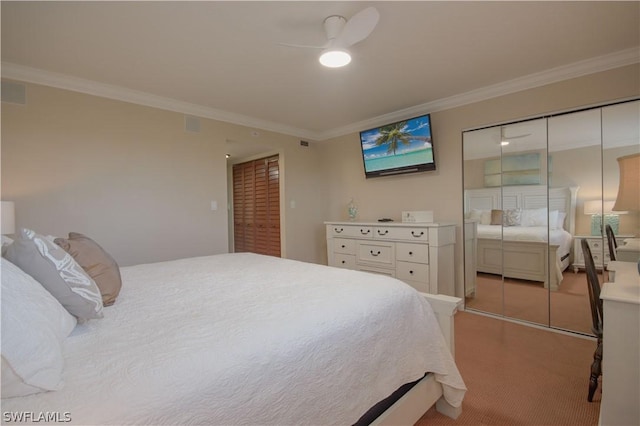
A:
(417, 168)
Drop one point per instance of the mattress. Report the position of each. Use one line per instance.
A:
(247, 339)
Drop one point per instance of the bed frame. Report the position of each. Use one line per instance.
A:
(427, 392)
(525, 260)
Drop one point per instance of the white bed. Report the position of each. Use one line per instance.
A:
(250, 339)
(524, 252)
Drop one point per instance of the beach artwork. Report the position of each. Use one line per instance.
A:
(403, 144)
(520, 169)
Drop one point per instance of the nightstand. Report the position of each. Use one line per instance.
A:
(599, 250)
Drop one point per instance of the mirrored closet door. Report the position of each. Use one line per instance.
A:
(532, 191)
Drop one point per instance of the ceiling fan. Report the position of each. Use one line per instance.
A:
(504, 139)
(342, 34)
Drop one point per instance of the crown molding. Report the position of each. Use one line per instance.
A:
(90, 87)
(553, 75)
(577, 69)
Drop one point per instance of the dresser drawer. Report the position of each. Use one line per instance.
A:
(409, 271)
(344, 246)
(409, 234)
(381, 254)
(350, 231)
(347, 261)
(407, 252)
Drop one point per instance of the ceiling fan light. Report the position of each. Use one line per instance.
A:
(335, 58)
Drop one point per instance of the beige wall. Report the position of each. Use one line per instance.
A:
(441, 191)
(130, 177)
(133, 179)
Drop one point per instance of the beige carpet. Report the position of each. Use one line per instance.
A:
(567, 308)
(520, 375)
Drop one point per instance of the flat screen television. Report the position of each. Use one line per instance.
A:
(402, 147)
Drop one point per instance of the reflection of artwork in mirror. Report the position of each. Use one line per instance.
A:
(521, 169)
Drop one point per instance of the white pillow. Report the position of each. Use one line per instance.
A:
(534, 217)
(560, 221)
(553, 219)
(34, 325)
(58, 272)
(6, 241)
(481, 216)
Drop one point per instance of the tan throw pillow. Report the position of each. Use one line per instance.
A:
(96, 262)
(496, 217)
(58, 272)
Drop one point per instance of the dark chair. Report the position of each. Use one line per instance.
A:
(611, 241)
(596, 316)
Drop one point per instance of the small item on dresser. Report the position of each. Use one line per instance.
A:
(352, 210)
(385, 219)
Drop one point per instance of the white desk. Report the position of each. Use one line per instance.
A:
(621, 346)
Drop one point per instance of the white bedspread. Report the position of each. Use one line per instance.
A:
(247, 339)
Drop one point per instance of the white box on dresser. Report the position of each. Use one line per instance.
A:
(420, 254)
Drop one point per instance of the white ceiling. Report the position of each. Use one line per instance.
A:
(222, 59)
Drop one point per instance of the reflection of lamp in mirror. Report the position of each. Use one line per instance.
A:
(595, 209)
(628, 198)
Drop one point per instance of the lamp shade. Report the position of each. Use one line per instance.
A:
(8, 217)
(628, 198)
(596, 206)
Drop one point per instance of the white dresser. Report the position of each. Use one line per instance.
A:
(599, 250)
(420, 254)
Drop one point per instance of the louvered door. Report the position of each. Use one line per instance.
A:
(256, 204)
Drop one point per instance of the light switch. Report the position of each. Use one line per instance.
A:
(214, 205)
(293, 204)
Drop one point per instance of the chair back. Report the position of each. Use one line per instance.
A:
(611, 242)
(594, 288)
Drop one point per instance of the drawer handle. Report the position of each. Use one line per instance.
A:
(386, 231)
(417, 235)
(343, 262)
(374, 254)
(337, 231)
(343, 246)
(365, 232)
(410, 253)
(410, 272)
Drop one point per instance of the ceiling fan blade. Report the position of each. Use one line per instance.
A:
(359, 26)
(504, 135)
(302, 46)
(520, 136)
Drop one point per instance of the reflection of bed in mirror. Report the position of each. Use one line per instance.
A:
(517, 242)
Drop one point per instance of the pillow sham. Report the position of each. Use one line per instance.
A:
(560, 220)
(511, 217)
(56, 270)
(534, 217)
(496, 217)
(34, 325)
(96, 262)
(483, 217)
(6, 241)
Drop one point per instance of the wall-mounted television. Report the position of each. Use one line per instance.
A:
(402, 147)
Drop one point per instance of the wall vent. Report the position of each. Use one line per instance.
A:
(304, 143)
(191, 124)
(14, 93)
